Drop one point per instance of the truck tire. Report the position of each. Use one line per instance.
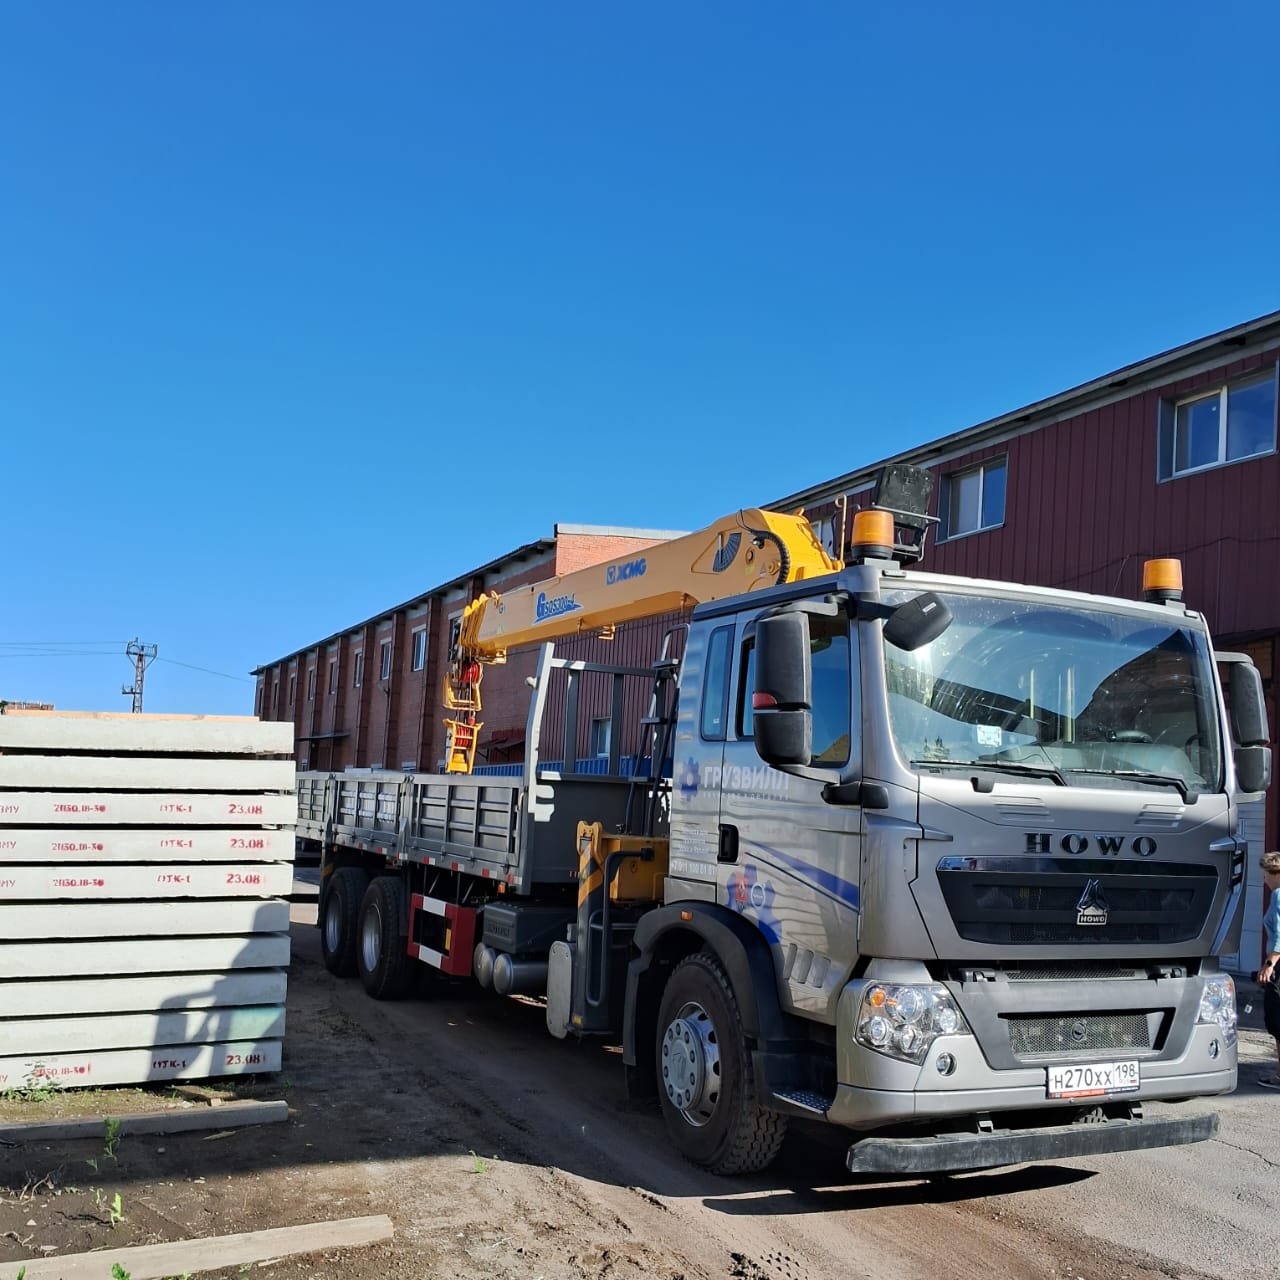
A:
(381, 958)
(340, 922)
(706, 1079)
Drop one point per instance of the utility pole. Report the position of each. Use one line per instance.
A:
(143, 656)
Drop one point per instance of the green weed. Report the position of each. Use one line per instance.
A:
(112, 1138)
(32, 1092)
(478, 1164)
(116, 1211)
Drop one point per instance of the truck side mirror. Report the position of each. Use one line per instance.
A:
(1248, 706)
(782, 699)
(1249, 728)
(1253, 768)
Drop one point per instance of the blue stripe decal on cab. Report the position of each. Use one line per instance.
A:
(828, 880)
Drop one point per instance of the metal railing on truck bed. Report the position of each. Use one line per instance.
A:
(486, 827)
(520, 830)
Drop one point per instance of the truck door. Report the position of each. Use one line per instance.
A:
(698, 761)
(795, 873)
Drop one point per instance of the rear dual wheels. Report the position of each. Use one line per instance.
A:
(381, 956)
(341, 919)
(706, 1079)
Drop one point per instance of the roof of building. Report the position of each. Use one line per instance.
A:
(525, 552)
(520, 553)
(1177, 362)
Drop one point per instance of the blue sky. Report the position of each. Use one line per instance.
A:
(305, 309)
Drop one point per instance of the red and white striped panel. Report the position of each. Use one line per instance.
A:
(460, 932)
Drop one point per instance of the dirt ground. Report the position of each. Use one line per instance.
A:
(500, 1152)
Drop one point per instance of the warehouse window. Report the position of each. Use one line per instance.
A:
(385, 669)
(357, 664)
(333, 676)
(973, 500)
(419, 650)
(275, 698)
(293, 689)
(257, 709)
(600, 732)
(1210, 429)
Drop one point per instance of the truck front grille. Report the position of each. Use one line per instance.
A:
(1032, 1036)
(1030, 901)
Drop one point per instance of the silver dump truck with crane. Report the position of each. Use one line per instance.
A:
(948, 863)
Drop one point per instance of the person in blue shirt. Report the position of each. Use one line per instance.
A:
(1269, 974)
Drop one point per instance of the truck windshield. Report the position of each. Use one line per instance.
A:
(1076, 697)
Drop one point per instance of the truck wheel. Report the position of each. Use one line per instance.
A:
(341, 920)
(381, 958)
(706, 1081)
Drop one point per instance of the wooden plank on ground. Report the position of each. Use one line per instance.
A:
(26, 1037)
(165, 921)
(213, 1253)
(187, 1119)
(81, 883)
(93, 1068)
(81, 808)
(125, 995)
(200, 735)
(128, 956)
(145, 773)
(147, 844)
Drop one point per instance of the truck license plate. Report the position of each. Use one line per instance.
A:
(1093, 1080)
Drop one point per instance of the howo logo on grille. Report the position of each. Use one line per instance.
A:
(1092, 908)
(1075, 843)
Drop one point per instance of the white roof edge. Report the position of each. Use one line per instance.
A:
(619, 531)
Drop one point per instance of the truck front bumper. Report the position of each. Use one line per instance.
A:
(959, 1152)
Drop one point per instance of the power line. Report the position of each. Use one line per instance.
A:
(173, 662)
(53, 653)
(54, 644)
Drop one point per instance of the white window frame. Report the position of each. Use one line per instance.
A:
(1224, 395)
(980, 469)
(419, 649)
(357, 664)
(311, 684)
(386, 659)
(333, 675)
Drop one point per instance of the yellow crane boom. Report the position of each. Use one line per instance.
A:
(739, 553)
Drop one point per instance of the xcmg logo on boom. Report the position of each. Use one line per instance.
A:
(616, 573)
(554, 606)
(1073, 842)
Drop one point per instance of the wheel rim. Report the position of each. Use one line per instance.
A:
(371, 939)
(691, 1064)
(333, 924)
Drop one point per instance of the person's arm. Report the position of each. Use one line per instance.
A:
(1271, 930)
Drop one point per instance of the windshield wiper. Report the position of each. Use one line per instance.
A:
(1000, 766)
(1138, 775)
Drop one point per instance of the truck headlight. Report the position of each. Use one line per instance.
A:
(903, 1020)
(1218, 1005)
